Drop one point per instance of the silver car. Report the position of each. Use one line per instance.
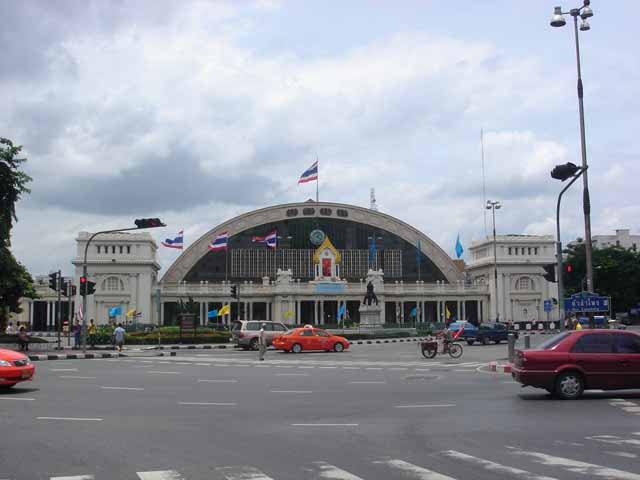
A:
(245, 332)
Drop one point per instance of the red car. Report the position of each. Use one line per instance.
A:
(14, 367)
(574, 361)
(305, 338)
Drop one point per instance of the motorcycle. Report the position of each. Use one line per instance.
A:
(429, 348)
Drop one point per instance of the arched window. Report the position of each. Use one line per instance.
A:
(113, 284)
(524, 283)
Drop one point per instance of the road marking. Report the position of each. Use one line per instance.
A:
(623, 454)
(217, 381)
(76, 477)
(229, 404)
(368, 382)
(204, 364)
(495, 467)
(122, 388)
(291, 374)
(415, 471)
(77, 377)
(334, 473)
(622, 403)
(325, 424)
(160, 475)
(242, 473)
(399, 368)
(149, 361)
(63, 369)
(72, 419)
(290, 391)
(328, 367)
(371, 368)
(614, 440)
(423, 369)
(631, 409)
(306, 366)
(425, 406)
(575, 466)
(351, 368)
(284, 366)
(460, 370)
(17, 398)
(158, 371)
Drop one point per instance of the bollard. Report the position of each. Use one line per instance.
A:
(511, 340)
(527, 342)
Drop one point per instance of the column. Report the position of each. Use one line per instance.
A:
(464, 309)
(479, 310)
(315, 312)
(31, 305)
(250, 310)
(321, 312)
(439, 310)
(298, 308)
(458, 310)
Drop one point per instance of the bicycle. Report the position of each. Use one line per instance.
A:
(429, 348)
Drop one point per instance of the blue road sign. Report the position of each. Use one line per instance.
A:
(586, 302)
(548, 306)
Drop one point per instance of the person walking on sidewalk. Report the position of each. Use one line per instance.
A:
(262, 342)
(76, 333)
(23, 339)
(93, 330)
(118, 335)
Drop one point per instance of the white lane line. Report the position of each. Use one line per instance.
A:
(290, 391)
(368, 382)
(160, 475)
(242, 473)
(423, 369)
(63, 369)
(121, 388)
(77, 377)
(204, 364)
(460, 370)
(149, 361)
(327, 368)
(414, 470)
(352, 368)
(18, 398)
(371, 368)
(623, 454)
(220, 404)
(265, 366)
(575, 466)
(306, 366)
(334, 473)
(622, 403)
(399, 368)
(217, 381)
(75, 477)
(495, 467)
(425, 406)
(291, 374)
(158, 371)
(631, 409)
(615, 440)
(71, 419)
(325, 424)
(166, 363)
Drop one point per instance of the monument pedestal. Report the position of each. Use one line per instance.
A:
(370, 317)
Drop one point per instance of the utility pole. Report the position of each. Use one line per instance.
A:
(58, 312)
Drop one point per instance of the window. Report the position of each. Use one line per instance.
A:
(617, 243)
(553, 342)
(529, 250)
(113, 284)
(325, 211)
(342, 213)
(292, 212)
(120, 248)
(626, 343)
(593, 343)
(535, 250)
(308, 211)
(128, 248)
(253, 326)
(306, 333)
(509, 250)
(522, 250)
(98, 247)
(268, 327)
(279, 327)
(113, 249)
(524, 283)
(321, 333)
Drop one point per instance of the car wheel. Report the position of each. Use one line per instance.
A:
(338, 347)
(254, 343)
(470, 342)
(484, 340)
(569, 385)
(297, 348)
(497, 342)
(7, 386)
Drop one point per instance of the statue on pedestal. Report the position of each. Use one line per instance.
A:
(370, 297)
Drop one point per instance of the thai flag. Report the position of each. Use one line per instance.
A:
(271, 239)
(459, 332)
(220, 242)
(177, 242)
(310, 174)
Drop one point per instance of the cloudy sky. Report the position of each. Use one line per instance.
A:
(196, 111)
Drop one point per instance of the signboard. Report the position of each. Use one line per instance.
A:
(586, 302)
(547, 306)
(330, 287)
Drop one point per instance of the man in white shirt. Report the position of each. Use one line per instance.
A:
(262, 342)
(10, 330)
(118, 335)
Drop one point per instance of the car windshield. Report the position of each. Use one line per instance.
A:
(553, 342)
(236, 326)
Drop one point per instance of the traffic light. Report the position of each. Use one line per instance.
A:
(149, 223)
(234, 291)
(91, 287)
(65, 288)
(550, 272)
(563, 172)
(569, 268)
(83, 286)
(53, 281)
(74, 290)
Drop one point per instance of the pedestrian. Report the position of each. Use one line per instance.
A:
(262, 342)
(118, 335)
(23, 339)
(10, 330)
(93, 330)
(76, 333)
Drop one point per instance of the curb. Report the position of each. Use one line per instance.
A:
(500, 368)
(386, 340)
(188, 347)
(74, 356)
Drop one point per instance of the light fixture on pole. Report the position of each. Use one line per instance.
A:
(493, 206)
(584, 12)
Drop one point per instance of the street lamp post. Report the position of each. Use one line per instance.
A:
(558, 20)
(493, 206)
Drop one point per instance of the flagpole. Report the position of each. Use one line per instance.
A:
(484, 193)
(317, 182)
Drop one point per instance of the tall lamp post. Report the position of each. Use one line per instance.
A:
(493, 206)
(558, 20)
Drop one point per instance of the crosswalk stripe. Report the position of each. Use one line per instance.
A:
(160, 475)
(334, 473)
(76, 477)
(242, 473)
(495, 467)
(576, 466)
(614, 440)
(415, 471)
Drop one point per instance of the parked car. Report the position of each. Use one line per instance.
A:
(14, 367)
(490, 332)
(245, 332)
(305, 338)
(578, 360)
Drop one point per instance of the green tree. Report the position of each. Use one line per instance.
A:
(616, 274)
(15, 280)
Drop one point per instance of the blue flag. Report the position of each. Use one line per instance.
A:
(212, 313)
(115, 311)
(341, 310)
(372, 252)
(418, 253)
(459, 249)
(414, 312)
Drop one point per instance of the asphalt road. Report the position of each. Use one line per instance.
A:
(374, 412)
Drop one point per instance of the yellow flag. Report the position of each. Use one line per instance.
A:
(288, 314)
(226, 310)
(131, 312)
(447, 312)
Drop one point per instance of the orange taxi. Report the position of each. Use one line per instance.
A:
(309, 338)
(14, 367)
